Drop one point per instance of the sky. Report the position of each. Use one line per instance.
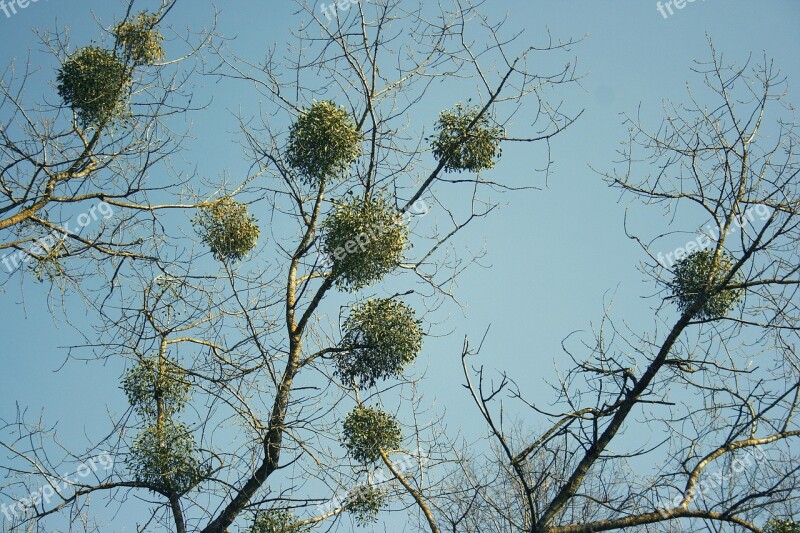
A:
(555, 257)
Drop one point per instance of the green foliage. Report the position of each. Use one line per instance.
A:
(365, 503)
(323, 142)
(165, 458)
(463, 147)
(367, 431)
(275, 521)
(697, 278)
(147, 386)
(139, 40)
(782, 526)
(382, 337)
(48, 265)
(364, 240)
(227, 228)
(92, 81)
(48, 268)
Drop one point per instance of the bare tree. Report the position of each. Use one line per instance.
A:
(715, 386)
(76, 174)
(268, 377)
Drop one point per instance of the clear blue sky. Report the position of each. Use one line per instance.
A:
(556, 256)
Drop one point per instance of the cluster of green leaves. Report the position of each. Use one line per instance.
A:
(164, 457)
(782, 526)
(139, 39)
(164, 454)
(227, 228)
(698, 278)
(323, 142)
(365, 240)
(365, 504)
(149, 386)
(48, 265)
(92, 82)
(367, 431)
(276, 521)
(381, 336)
(464, 146)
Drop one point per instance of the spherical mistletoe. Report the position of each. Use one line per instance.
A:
(139, 40)
(462, 147)
(165, 458)
(365, 240)
(781, 526)
(276, 521)
(697, 278)
(367, 431)
(381, 337)
(228, 229)
(323, 142)
(365, 503)
(92, 82)
(149, 385)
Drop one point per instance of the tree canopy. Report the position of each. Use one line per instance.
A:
(273, 328)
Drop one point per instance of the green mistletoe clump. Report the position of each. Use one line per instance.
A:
(164, 457)
(139, 40)
(365, 240)
(464, 146)
(276, 521)
(151, 388)
(381, 337)
(368, 431)
(228, 229)
(365, 504)
(93, 82)
(323, 143)
(697, 279)
(782, 526)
